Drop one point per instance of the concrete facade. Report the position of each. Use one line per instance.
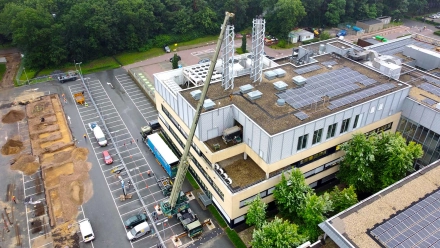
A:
(371, 25)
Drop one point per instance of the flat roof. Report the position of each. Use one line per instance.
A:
(314, 100)
(396, 46)
(371, 21)
(355, 226)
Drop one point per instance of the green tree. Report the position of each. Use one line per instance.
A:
(312, 213)
(175, 61)
(343, 199)
(290, 193)
(324, 35)
(256, 214)
(243, 43)
(335, 10)
(394, 158)
(373, 163)
(277, 234)
(284, 16)
(356, 167)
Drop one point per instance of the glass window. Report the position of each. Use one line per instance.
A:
(270, 191)
(263, 194)
(357, 121)
(317, 135)
(331, 131)
(344, 126)
(302, 142)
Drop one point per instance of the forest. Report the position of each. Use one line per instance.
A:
(53, 32)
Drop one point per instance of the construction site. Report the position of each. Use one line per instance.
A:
(39, 144)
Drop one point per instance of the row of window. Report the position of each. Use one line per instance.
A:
(197, 150)
(322, 168)
(263, 194)
(327, 152)
(331, 131)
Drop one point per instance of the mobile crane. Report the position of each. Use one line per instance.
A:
(178, 201)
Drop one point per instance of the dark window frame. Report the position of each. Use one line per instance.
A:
(317, 136)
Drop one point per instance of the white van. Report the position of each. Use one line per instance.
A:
(99, 135)
(138, 231)
(86, 230)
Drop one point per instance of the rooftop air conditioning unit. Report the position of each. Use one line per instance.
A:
(216, 166)
(228, 181)
(224, 175)
(220, 171)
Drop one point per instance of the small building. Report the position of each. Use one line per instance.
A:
(300, 35)
(385, 19)
(370, 25)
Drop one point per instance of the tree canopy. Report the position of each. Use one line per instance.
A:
(256, 214)
(55, 32)
(375, 162)
(277, 234)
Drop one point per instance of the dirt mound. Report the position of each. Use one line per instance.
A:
(61, 156)
(80, 154)
(77, 191)
(27, 164)
(65, 235)
(13, 116)
(12, 147)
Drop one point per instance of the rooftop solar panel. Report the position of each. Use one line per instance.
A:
(416, 226)
(430, 88)
(307, 69)
(429, 101)
(301, 115)
(330, 62)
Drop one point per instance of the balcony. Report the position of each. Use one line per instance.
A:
(242, 173)
(217, 144)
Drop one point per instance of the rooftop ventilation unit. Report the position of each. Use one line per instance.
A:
(280, 85)
(208, 104)
(196, 94)
(246, 88)
(299, 80)
(269, 75)
(254, 95)
(228, 181)
(281, 102)
(280, 72)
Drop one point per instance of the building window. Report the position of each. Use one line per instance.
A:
(331, 131)
(372, 109)
(317, 135)
(344, 126)
(357, 121)
(270, 191)
(247, 201)
(302, 142)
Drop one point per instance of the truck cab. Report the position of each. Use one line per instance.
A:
(153, 126)
(190, 222)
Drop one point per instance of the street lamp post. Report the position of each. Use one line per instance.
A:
(79, 64)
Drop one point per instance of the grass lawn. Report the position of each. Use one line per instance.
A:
(2, 70)
(236, 240)
(29, 73)
(196, 41)
(192, 181)
(217, 216)
(239, 51)
(133, 57)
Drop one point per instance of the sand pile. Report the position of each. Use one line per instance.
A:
(27, 164)
(13, 116)
(12, 147)
(80, 154)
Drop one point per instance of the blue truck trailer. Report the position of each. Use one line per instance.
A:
(163, 154)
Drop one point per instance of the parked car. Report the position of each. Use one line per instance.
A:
(166, 48)
(138, 231)
(204, 61)
(178, 58)
(438, 26)
(135, 220)
(107, 158)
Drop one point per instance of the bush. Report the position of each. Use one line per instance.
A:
(282, 44)
(310, 41)
(437, 33)
(418, 18)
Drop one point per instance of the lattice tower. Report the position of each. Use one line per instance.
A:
(228, 58)
(258, 29)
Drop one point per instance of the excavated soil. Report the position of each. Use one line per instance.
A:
(28, 164)
(12, 147)
(66, 235)
(13, 116)
(52, 175)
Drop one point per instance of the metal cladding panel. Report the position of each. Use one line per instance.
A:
(256, 132)
(229, 115)
(264, 145)
(287, 144)
(428, 117)
(348, 113)
(248, 132)
(319, 124)
(329, 120)
(205, 124)
(406, 107)
(370, 116)
(388, 106)
(398, 99)
(185, 115)
(277, 149)
(310, 128)
(298, 133)
(179, 105)
(416, 112)
(339, 117)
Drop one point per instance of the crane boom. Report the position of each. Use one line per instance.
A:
(183, 164)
